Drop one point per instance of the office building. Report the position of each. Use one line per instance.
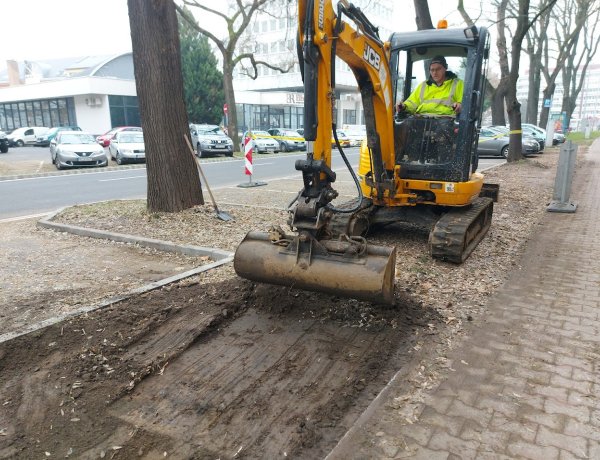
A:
(93, 92)
(276, 99)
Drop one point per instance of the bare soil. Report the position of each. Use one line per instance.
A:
(215, 366)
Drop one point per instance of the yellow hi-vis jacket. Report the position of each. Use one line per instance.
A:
(435, 100)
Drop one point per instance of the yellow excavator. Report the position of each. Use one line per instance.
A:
(412, 168)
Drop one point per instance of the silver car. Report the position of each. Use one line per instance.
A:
(127, 146)
(76, 148)
(493, 142)
(210, 140)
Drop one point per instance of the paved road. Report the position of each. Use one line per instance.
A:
(42, 194)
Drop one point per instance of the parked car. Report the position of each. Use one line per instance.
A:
(300, 131)
(526, 134)
(289, 140)
(356, 137)
(558, 138)
(210, 140)
(492, 142)
(44, 140)
(76, 148)
(3, 142)
(343, 139)
(537, 135)
(104, 139)
(127, 146)
(262, 141)
(25, 136)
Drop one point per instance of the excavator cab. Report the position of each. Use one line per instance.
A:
(438, 147)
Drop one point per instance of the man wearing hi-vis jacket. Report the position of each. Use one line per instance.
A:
(440, 94)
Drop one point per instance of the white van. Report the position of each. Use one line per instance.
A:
(25, 136)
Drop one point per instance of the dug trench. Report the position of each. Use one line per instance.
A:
(222, 369)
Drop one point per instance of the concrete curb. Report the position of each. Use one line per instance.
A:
(221, 258)
(168, 246)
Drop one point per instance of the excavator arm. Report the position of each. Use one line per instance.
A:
(323, 35)
(311, 259)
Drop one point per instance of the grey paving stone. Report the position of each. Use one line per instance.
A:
(531, 385)
(577, 445)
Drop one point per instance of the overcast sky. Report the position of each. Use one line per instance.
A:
(46, 29)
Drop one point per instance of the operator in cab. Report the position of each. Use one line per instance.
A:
(440, 95)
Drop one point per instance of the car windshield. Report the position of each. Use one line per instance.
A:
(215, 131)
(131, 138)
(290, 133)
(77, 139)
(261, 133)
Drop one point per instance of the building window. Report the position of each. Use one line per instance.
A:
(47, 112)
(349, 117)
(124, 111)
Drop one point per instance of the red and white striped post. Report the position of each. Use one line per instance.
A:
(248, 156)
(248, 163)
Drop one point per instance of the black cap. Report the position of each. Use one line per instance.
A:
(439, 60)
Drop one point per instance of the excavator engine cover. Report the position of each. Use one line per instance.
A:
(347, 267)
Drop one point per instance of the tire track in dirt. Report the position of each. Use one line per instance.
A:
(202, 371)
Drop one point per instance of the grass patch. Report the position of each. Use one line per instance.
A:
(579, 137)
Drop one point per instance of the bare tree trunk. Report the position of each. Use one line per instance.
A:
(515, 144)
(500, 93)
(575, 70)
(423, 18)
(230, 99)
(547, 94)
(515, 149)
(497, 106)
(535, 78)
(173, 182)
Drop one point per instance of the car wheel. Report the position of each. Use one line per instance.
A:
(199, 153)
(229, 154)
(504, 152)
(3, 148)
(119, 159)
(283, 147)
(57, 164)
(20, 143)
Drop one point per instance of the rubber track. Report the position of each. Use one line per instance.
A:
(459, 231)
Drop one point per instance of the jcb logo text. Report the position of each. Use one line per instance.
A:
(372, 57)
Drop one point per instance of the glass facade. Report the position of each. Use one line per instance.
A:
(255, 116)
(124, 111)
(43, 112)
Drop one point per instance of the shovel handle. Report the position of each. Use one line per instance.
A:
(187, 141)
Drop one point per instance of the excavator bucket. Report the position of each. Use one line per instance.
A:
(348, 267)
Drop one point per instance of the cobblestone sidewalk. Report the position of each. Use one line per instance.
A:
(525, 382)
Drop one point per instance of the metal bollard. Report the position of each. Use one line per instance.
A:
(564, 178)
